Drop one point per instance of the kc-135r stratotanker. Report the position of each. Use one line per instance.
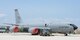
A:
(43, 30)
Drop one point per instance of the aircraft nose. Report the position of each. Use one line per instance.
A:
(74, 26)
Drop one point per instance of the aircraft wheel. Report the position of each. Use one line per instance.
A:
(44, 34)
(47, 35)
(66, 34)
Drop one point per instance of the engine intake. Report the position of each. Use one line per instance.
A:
(35, 31)
(16, 29)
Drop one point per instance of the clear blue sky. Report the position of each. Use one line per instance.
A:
(41, 11)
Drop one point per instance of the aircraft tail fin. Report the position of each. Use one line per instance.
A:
(17, 16)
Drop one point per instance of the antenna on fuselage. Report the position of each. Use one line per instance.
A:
(45, 25)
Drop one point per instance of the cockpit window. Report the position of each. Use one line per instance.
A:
(74, 26)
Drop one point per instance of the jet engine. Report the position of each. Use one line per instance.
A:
(15, 29)
(34, 31)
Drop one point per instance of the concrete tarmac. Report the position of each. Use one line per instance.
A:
(27, 36)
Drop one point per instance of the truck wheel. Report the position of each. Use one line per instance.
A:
(48, 34)
(41, 34)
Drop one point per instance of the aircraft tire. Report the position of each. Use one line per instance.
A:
(66, 34)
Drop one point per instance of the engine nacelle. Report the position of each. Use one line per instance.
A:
(14, 29)
(34, 31)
